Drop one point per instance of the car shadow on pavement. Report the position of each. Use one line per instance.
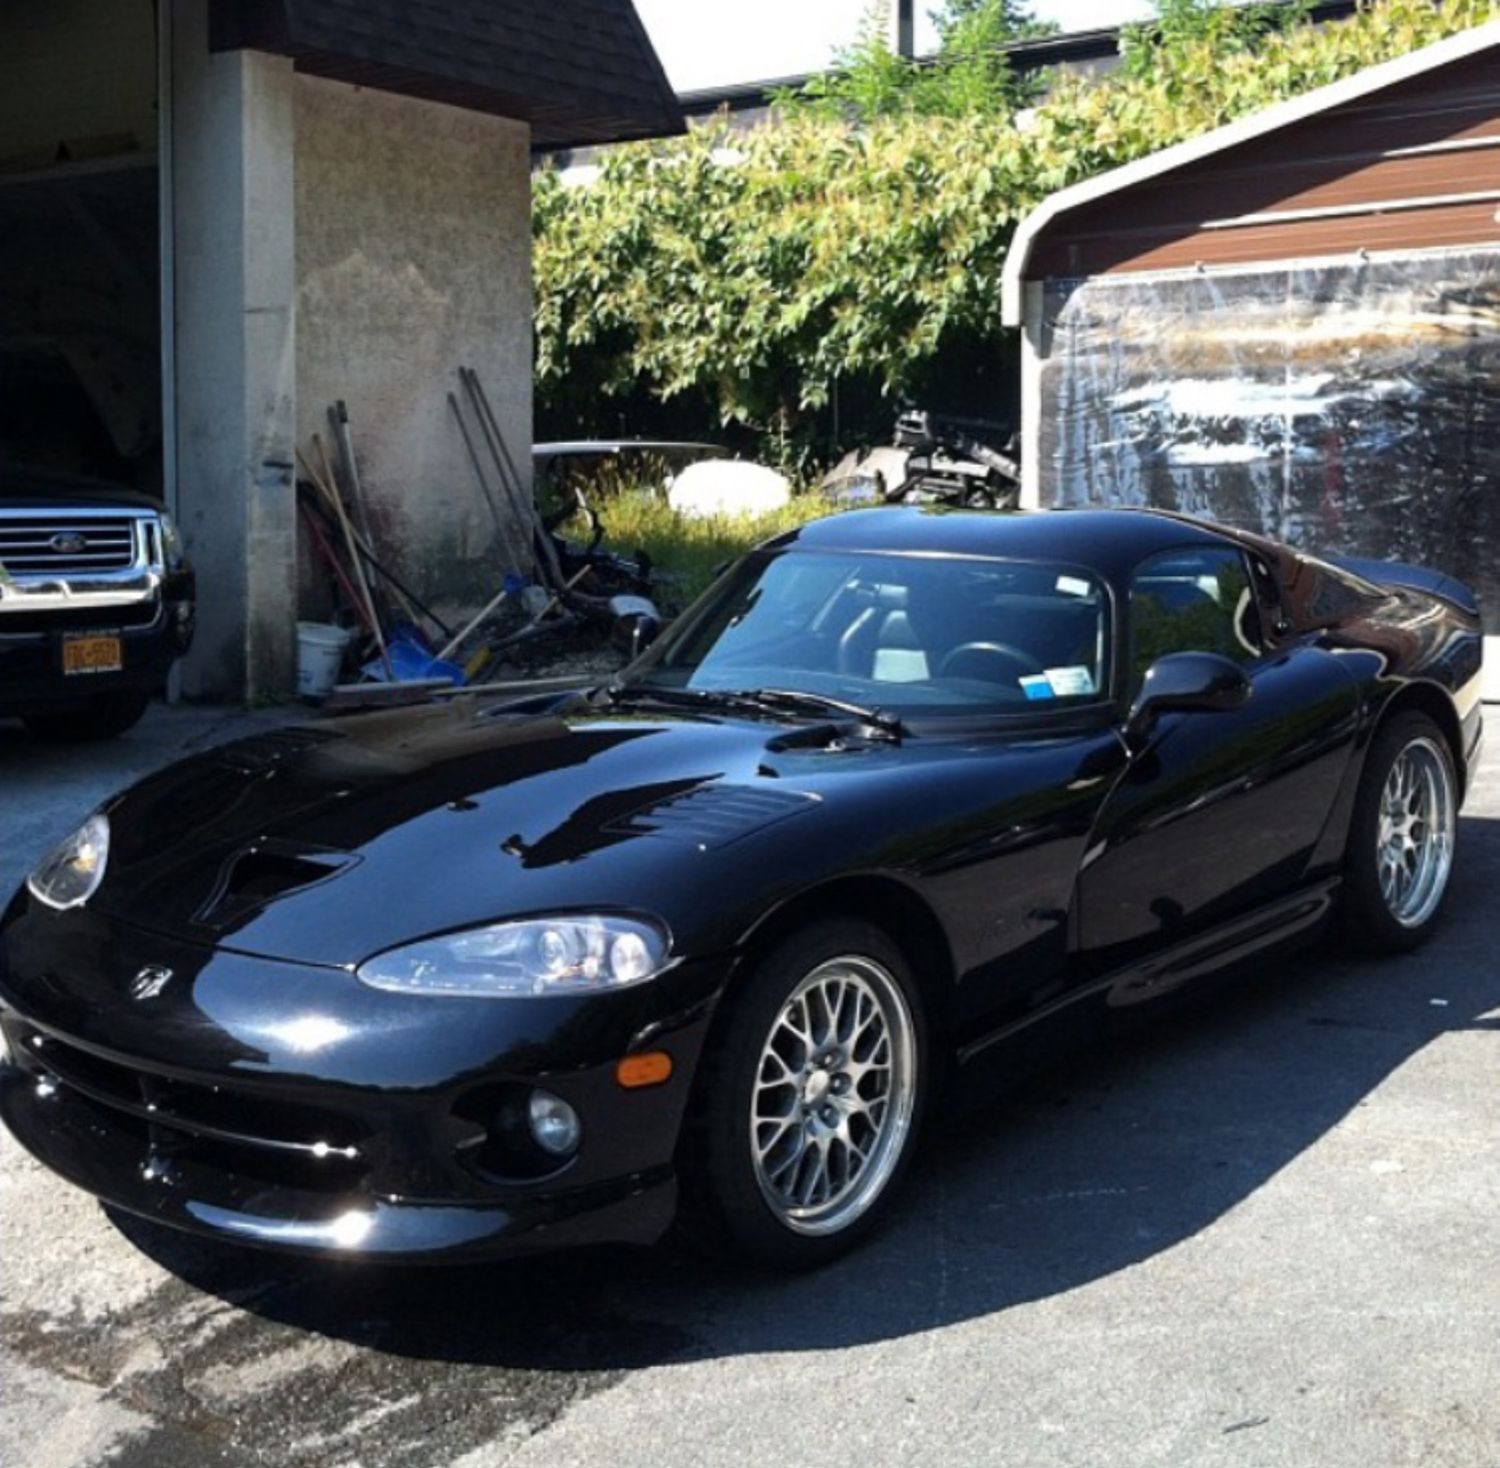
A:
(1121, 1154)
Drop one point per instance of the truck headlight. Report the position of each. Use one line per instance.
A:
(556, 955)
(70, 874)
(171, 539)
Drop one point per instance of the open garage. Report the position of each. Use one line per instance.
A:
(80, 305)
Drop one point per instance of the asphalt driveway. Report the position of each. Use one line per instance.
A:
(1267, 1234)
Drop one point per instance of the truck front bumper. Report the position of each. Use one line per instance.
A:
(152, 636)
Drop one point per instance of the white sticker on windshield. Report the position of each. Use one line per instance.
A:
(1069, 682)
(1073, 586)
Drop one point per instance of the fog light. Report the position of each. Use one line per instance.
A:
(555, 1127)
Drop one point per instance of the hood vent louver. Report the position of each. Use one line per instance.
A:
(714, 815)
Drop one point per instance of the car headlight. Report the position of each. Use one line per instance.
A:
(70, 874)
(558, 955)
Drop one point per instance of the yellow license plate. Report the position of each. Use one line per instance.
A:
(92, 655)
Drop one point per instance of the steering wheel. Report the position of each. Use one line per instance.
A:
(1022, 663)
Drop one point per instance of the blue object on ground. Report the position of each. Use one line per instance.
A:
(413, 663)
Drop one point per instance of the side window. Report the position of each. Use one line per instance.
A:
(1193, 601)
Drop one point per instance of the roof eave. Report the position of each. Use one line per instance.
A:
(1246, 129)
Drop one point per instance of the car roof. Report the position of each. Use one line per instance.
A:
(1109, 542)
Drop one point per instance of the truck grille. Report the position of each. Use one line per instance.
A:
(72, 546)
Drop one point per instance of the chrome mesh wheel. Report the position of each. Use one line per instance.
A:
(834, 1094)
(1414, 834)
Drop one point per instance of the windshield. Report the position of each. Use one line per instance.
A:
(914, 635)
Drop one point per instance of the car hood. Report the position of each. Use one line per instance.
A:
(327, 842)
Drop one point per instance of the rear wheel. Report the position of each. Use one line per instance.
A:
(1400, 853)
(102, 716)
(811, 1099)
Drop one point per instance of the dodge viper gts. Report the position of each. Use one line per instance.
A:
(906, 801)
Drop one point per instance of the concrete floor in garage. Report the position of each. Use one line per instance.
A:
(1265, 1234)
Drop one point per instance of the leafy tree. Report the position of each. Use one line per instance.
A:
(971, 72)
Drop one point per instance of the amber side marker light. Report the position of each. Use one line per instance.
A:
(648, 1069)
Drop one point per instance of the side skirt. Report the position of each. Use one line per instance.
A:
(1277, 924)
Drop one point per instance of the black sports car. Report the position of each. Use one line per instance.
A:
(905, 800)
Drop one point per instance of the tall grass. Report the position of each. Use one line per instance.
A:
(687, 551)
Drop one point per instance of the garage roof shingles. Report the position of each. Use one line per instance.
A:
(581, 71)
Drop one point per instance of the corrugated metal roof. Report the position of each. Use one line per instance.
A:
(580, 71)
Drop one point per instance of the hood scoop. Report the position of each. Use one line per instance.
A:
(714, 815)
(254, 878)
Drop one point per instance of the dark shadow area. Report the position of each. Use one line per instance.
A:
(1123, 1153)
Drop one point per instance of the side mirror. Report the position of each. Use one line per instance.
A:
(1185, 682)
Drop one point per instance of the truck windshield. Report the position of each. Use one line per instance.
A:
(914, 635)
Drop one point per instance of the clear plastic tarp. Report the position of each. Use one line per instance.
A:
(1350, 407)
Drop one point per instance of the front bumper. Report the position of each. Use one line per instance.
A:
(292, 1108)
(152, 636)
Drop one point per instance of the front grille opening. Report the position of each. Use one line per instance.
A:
(84, 1071)
(278, 1143)
(330, 1174)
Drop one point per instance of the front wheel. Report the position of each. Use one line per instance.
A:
(1400, 853)
(811, 1099)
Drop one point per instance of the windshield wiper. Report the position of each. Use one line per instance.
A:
(760, 701)
(793, 698)
(682, 697)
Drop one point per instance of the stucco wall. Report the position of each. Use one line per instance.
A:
(413, 245)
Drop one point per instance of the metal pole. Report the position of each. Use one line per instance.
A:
(338, 417)
(525, 506)
(519, 562)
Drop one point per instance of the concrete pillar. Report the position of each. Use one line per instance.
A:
(234, 139)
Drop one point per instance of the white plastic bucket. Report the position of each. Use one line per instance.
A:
(320, 654)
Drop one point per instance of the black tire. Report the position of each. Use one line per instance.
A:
(725, 1205)
(1371, 923)
(102, 716)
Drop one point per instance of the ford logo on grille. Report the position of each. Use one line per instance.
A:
(69, 542)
